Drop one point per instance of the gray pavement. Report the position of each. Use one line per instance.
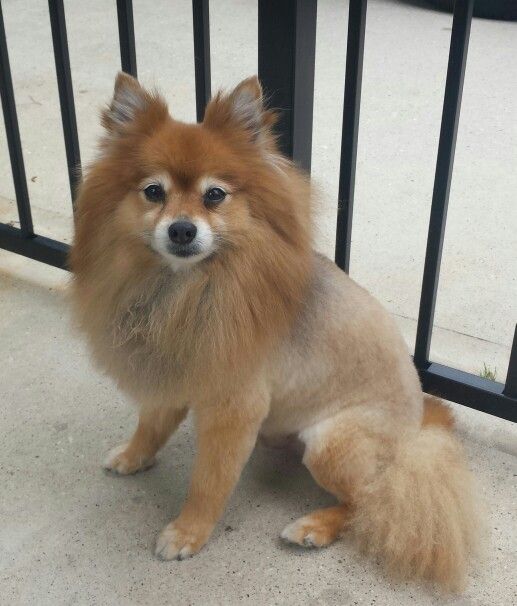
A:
(70, 534)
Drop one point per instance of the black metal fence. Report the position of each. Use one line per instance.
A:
(286, 40)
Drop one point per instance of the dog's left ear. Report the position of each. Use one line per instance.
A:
(241, 109)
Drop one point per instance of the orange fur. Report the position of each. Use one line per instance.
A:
(198, 337)
(419, 516)
(260, 335)
(411, 495)
(320, 528)
(437, 413)
(220, 320)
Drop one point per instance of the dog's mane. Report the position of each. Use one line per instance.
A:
(211, 323)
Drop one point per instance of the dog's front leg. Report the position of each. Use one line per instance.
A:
(226, 435)
(155, 425)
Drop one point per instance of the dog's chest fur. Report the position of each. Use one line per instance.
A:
(146, 337)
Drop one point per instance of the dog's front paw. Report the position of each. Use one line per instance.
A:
(120, 460)
(177, 542)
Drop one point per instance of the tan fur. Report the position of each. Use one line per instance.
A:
(221, 318)
(419, 515)
(320, 528)
(261, 336)
(437, 413)
(153, 431)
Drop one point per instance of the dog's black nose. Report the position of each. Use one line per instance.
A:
(182, 232)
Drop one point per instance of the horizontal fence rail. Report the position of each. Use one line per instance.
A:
(286, 60)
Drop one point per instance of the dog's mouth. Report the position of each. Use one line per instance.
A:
(184, 251)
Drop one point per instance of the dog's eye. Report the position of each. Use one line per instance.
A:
(214, 195)
(154, 193)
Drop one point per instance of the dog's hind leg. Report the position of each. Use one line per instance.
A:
(154, 429)
(342, 454)
(412, 502)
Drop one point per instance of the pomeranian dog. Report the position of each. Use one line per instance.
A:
(198, 288)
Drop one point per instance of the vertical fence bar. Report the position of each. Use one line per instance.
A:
(66, 92)
(286, 49)
(201, 25)
(349, 136)
(442, 181)
(126, 34)
(13, 136)
(510, 386)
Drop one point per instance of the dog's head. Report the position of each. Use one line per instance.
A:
(189, 192)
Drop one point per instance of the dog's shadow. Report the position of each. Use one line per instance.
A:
(274, 481)
(279, 477)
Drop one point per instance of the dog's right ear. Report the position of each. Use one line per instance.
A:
(132, 105)
(242, 110)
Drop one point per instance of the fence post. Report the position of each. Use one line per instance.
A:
(13, 136)
(442, 180)
(286, 55)
(66, 92)
(126, 36)
(201, 26)
(510, 386)
(350, 131)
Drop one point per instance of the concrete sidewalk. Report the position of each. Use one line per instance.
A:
(70, 534)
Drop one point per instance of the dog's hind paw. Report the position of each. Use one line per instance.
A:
(122, 462)
(317, 529)
(299, 534)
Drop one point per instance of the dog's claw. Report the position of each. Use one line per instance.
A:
(308, 541)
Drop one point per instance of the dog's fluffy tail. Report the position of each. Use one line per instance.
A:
(419, 515)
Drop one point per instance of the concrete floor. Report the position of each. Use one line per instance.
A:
(70, 534)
